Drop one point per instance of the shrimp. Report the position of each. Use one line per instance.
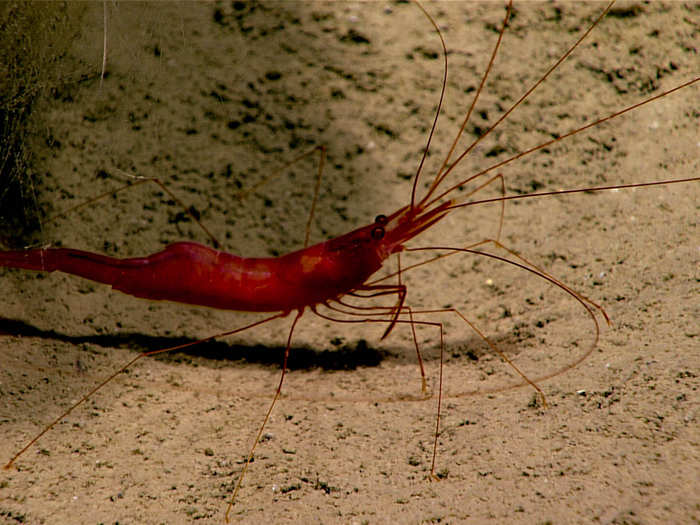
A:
(319, 275)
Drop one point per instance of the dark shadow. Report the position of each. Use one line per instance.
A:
(341, 357)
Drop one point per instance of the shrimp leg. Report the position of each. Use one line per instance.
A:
(138, 180)
(131, 362)
(267, 416)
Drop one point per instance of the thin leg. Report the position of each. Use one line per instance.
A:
(317, 185)
(267, 416)
(138, 180)
(99, 386)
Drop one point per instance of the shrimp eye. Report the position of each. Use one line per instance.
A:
(377, 233)
(380, 219)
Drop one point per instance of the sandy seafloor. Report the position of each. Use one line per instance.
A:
(214, 97)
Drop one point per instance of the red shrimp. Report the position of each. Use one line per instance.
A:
(192, 273)
(317, 275)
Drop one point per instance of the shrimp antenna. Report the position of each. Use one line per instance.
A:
(558, 139)
(441, 176)
(442, 173)
(439, 106)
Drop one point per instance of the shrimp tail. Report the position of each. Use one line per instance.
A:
(145, 277)
(93, 266)
(183, 272)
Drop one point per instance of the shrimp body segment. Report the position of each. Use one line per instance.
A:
(192, 273)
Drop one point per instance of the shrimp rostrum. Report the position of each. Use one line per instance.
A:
(321, 275)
